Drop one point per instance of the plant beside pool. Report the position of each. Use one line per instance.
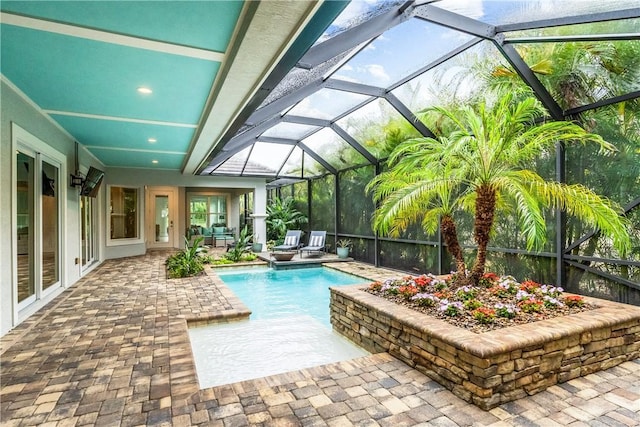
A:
(496, 302)
(240, 251)
(191, 260)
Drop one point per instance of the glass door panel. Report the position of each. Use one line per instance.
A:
(25, 222)
(50, 230)
(88, 230)
(159, 218)
(161, 212)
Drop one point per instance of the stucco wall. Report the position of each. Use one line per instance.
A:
(167, 178)
(15, 109)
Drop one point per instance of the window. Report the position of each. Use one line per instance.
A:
(207, 211)
(124, 212)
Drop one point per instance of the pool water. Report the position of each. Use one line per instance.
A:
(289, 327)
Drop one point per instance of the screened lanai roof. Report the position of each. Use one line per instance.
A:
(381, 63)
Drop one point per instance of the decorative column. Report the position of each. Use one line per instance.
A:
(260, 214)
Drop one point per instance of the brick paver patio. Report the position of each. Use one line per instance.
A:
(114, 350)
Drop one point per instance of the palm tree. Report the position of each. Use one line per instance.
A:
(418, 187)
(282, 216)
(484, 162)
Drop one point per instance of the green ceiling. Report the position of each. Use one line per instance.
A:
(82, 62)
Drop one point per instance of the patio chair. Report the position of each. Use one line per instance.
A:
(291, 241)
(316, 243)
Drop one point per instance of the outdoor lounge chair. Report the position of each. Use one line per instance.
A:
(316, 243)
(291, 241)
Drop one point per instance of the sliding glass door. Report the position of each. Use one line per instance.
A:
(25, 224)
(88, 224)
(50, 224)
(38, 177)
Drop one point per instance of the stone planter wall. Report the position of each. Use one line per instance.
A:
(491, 368)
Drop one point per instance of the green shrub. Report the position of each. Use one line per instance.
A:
(188, 262)
(242, 247)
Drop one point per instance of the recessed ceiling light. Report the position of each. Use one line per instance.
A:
(152, 140)
(154, 161)
(144, 90)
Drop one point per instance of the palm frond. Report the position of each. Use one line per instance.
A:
(588, 207)
(517, 186)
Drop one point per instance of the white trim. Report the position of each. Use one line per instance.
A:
(145, 168)
(120, 119)
(138, 150)
(108, 37)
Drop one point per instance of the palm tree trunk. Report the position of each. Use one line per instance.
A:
(450, 237)
(485, 211)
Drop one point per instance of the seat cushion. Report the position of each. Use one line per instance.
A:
(315, 241)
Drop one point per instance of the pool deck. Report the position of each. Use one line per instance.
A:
(114, 350)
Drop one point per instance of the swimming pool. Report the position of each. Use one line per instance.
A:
(289, 327)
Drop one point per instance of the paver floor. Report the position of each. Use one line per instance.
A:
(114, 350)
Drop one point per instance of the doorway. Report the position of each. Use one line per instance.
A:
(161, 218)
(38, 221)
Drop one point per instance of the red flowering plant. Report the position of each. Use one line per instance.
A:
(488, 280)
(529, 286)
(506, 287)
(375, 286)
(443, 294)
(530, 305)
(422, 282)
(408, 291)
(499, 291)
(573, 301)
(484, 315)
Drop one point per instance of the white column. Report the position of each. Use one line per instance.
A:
(260, 214)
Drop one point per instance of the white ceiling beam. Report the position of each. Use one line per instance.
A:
(120, 119)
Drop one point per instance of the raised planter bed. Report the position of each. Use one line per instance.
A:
(494, 367)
